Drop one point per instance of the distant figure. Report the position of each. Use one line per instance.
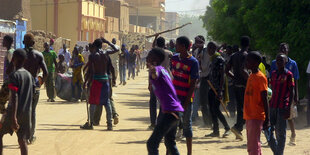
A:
(77, 77)
(86, 54)
(131, 63)
(144, 53)
(50, 57)
(123, 58)
(18, 114)
(61, 65)
(65, 52)
(138, 61)
(52, 41)
(172, 46)
(4, 92)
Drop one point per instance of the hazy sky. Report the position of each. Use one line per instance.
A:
(186, 6)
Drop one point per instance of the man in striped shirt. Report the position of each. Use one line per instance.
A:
(185, 71)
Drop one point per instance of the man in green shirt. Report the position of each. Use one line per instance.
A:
(50, 57)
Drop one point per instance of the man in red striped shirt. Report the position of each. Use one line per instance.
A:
(185, 71)
(282, 85)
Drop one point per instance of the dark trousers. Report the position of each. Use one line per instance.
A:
(232, 101)
(166, 127)
(239, 94)
(308, 113)
(278, 124)
(216, 112)
(35, 101)
(98, 111)
(76, 90)
(50, 86)
(153, 108)
(204, 89)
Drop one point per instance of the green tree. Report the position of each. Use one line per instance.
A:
(267, 22)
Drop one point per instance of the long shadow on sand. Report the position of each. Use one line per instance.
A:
(145, 120)
(11, 146)
(136, 104)
(58, 125)
(133, 94)
(130, 130)
(244, 146)
(133, 142)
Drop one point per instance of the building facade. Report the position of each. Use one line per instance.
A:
(148, 13)
(79, 20)
(173, 20)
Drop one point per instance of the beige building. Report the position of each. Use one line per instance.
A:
(148, 13)
(173, 20)
(78, 20)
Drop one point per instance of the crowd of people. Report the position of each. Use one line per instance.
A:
(204, 76)
(93, 74)
(184, 77)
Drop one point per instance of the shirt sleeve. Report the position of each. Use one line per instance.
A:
(13, 83)
(263, 84)
(81, 58)
(308, 68)
(273, 66)
(10, 55)
(54, 55)
(290, 80)
(195, 70)
(296, 71)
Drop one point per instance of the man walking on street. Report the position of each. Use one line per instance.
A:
(123, 56)
(240, 76)
(50, 60)
(33, 63)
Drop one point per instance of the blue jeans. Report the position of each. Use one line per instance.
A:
(166, 127)
(76, 95)
(278, 124)
(35, 101)
(122, 73)
(131, 70)
(196, 104)
(108, 110)
(186, 121)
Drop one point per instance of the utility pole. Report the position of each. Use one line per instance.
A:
(137, 18)
(46, 16)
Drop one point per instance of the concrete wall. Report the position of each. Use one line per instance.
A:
(42, 15)
(15, 9)
(118, 9)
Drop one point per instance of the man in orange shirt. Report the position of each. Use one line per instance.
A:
(255, 108)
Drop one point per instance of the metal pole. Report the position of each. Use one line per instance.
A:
(46, 16)
(137, 19)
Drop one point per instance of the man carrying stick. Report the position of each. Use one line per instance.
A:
(216, 78)
(98, 75)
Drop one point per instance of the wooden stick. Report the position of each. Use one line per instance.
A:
(223, 105)
(168, 30)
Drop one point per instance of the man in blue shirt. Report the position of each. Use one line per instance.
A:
(291, 65)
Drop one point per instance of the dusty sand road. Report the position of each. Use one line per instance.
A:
(58, 130)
